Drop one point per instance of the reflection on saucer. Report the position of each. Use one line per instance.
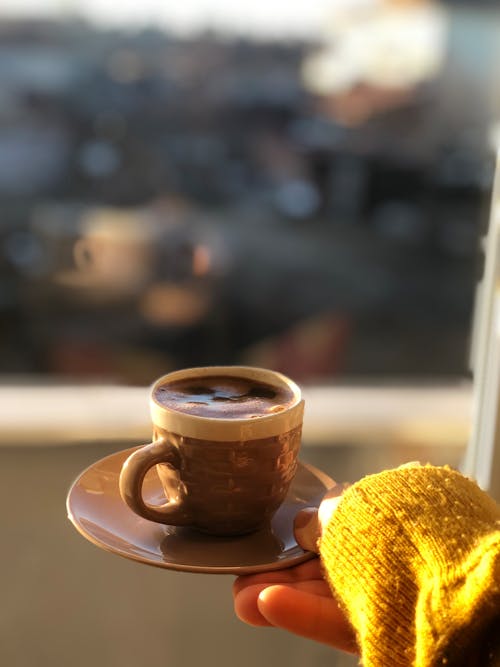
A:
(180, 543)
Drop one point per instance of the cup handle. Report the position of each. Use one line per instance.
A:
(132, 477)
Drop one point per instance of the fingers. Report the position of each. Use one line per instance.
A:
(246, 589)
(309, 523)
(306, 529)
(246, 601)
(311, 569)
(246, 605)
(307, 614)
(297, 599)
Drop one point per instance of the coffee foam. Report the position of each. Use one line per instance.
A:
(224, 397)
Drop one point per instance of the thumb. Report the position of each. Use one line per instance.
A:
(309, 522)
(306, 529)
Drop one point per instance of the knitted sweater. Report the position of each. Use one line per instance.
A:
(413, 556)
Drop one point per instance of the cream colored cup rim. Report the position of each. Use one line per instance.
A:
(223, 429)
(247, 372)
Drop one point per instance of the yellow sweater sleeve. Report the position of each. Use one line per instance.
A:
(413, 556)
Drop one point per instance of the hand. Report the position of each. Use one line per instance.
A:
(298, 599)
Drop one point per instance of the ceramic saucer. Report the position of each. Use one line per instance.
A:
(99, 514)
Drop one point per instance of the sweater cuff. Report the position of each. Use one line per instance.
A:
(413, 556)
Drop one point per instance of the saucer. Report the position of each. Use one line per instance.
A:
(97, 511)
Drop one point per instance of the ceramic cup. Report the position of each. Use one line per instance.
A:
(222, 476)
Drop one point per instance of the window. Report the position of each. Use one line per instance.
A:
(299, 185)
(194, 194)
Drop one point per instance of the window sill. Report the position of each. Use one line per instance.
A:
(389, 415)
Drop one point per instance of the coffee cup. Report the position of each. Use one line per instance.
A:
(225, 446)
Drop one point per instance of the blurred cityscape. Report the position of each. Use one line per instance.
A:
(169, 201)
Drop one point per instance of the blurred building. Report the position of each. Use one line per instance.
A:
(310, 206)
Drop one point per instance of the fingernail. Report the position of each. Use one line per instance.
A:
(304, 517)
(306, 529)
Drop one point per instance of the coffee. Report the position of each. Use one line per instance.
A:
(224, 397)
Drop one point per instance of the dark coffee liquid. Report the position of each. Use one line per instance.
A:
(224, 397)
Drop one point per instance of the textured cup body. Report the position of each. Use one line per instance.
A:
(231, 487)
